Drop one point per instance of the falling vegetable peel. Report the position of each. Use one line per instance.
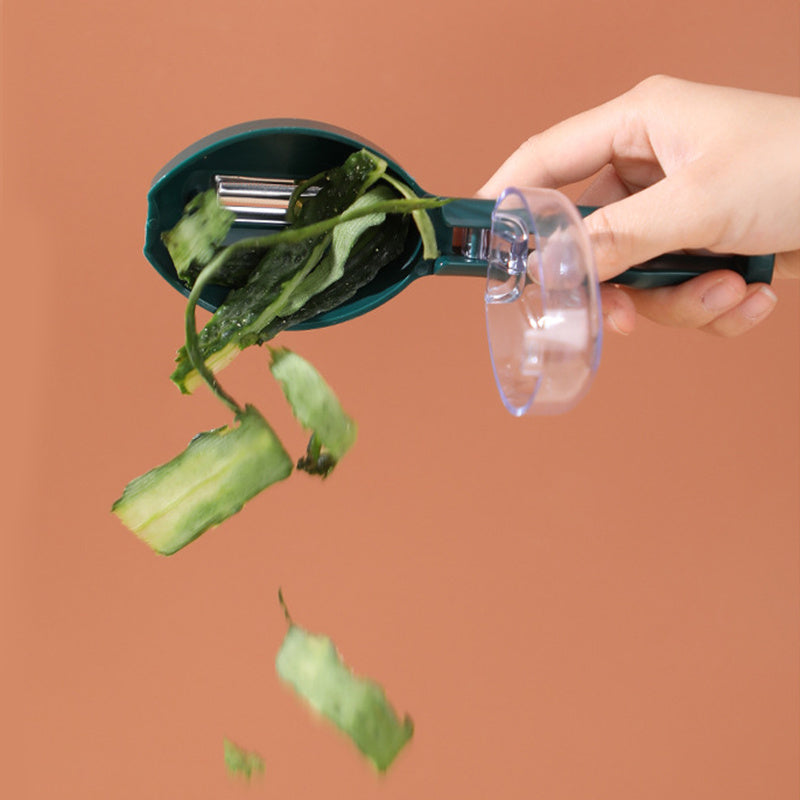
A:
(312, 666)
(336, 243)
(239, 761)
(171, 505)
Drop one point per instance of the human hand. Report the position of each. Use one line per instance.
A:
(678, 166)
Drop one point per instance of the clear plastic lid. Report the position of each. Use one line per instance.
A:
(543, 314)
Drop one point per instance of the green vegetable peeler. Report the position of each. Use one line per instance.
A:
(542, 298)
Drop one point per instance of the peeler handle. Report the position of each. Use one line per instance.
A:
(669, 269)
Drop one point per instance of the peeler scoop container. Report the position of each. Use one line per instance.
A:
(291, 151)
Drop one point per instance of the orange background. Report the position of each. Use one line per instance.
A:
(598, 605)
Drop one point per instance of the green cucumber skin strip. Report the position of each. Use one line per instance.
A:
(375, 249)
(242, 307)
(211, 480)
(287, 289)
(339, 187)
(313, 402)
(310, 664)
(343, 239)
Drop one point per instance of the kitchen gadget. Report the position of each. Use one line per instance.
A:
(541, 300)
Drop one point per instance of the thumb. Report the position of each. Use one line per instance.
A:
(669, 215)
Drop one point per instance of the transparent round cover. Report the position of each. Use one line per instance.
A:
(542, 302)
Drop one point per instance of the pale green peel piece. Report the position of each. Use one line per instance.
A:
(313, 402)
(211, 480)
(242, 762)
(357, 706)
(199, 232)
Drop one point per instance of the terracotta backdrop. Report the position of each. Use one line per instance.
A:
(601, 605)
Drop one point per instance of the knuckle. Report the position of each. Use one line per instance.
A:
(655, 84)
(605, 241)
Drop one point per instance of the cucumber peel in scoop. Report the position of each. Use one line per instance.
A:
(335, 243)
(315, 257)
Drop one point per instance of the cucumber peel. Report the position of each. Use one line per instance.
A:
(314, 404)
(212, 479)
(199, 233)
(312, 666)
(239, 761)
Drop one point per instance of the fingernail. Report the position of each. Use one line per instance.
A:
(759, 304)
(721, 296)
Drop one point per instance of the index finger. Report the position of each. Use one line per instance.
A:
(567, 152)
